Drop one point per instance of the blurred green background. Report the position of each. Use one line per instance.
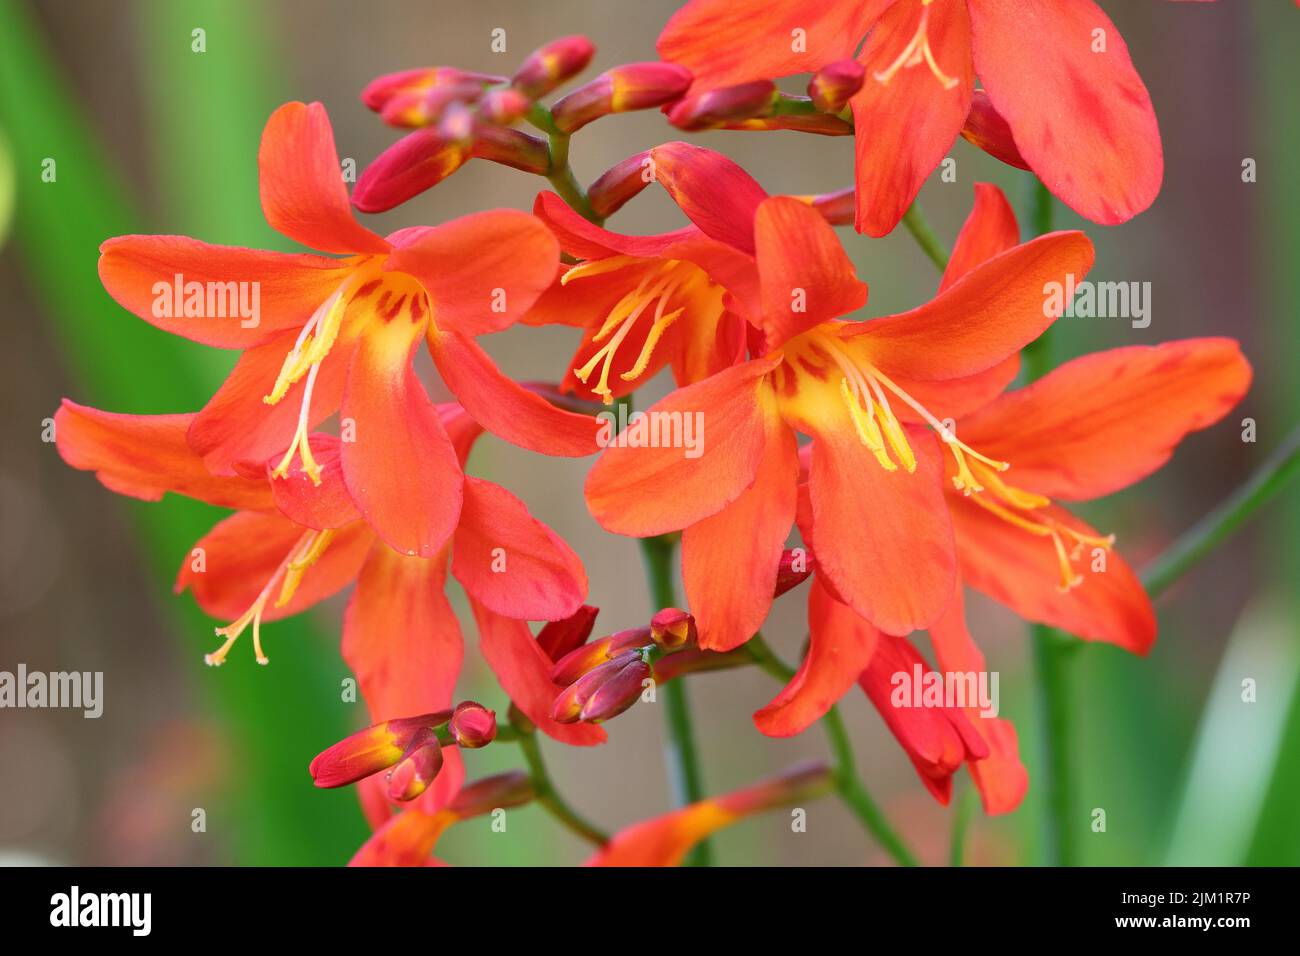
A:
(150, 136)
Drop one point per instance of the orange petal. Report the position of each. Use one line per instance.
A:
(302, 501)
(482, 271)
(401, 470)
(906, 125)
(716, 194)
(510, 561)
(406, 839)
(806, 276)
(524, 671)
(303, 194)
(1020, 570)
(723, 42)
(1081, 116)
(505, 408)
(994, 311)
(145, 456)
(1106, 420)
(730, 559)
(841, 643)
(990, 229)
(642, 491)
(142, 274)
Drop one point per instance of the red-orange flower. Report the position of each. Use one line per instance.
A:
(1059, 74)
(860, 390)
(321, 335)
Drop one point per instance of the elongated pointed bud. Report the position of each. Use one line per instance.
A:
(672, 628)
(416, 98)
(621, 182)
(796, 565)
(833, 85)
(510, 789)
(719, 107)
(513, 148)
(558, 638)
(579, 661)
(416, 162)
(620, 689)
(473, 725)
(549, 66)
(632, 86)
(416, 770)
(373, 749)
(503, 106)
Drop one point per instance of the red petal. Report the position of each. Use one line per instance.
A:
(987, 129)
(524, 671)
(730, 559)
(141, 272)
(401, 470)
(145, 456)
(482, 271)
(840, 647)
(1082, 118)
(302, 501)
(505, 408)
(642, 491)
(1106, 420)
(907, 125)
(510, 561)
(802, 265)
(715, 193)
(989, 230)
(303, 195)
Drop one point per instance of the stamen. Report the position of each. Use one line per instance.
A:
(917, 51)
(864, 422)
(301, 442)
(595, 267)
(301, 561)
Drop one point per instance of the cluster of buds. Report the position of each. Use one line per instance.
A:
(758, 105)
(409, 748)
(605, 677)
(458, 115)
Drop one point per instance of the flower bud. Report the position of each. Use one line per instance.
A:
(796, 563)
(415, 98)
(557, 638)
(837, 208)
(473, 725)
(416, 770)
(549, 66)
(989, 130)
(373, 749)
(619, 690)
(510, 789)
(833, 85)
(726, 105)
(503, 106)
(632, 86)
(513, 148)
(621, 182)
(414, 163)
(579, 661)
(672, 627)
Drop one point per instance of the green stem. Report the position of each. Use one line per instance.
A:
(560, 175)
(1037, 355)
(683, 755)
(548, 796)
(1053, 652)
(960, 824)
(916, 224)
(847, 783)
(1206, 535)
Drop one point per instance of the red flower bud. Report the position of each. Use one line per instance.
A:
(632, 86)
(513, 148)
(620, 183)
(473, 725)
(373, 749)
(837, 208)
(603, 692)
(726, 105)
(796, 563)
(414, 163)
(833, 85)
(579, 661)
(557, 638)
(503, 106)
(549, 66)
(415, 98)
(672, 627)
(416, 770)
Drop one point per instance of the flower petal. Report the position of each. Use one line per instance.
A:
(1109, 419)
(990, 313)
(840, 647)
(505, 408)
(157, 277)
(1060, 74)
(715, 193)
(1020, 570)
(642, 491)
(145, 456)
(730, 559)
(907, 122)
(401, 470)
(511, 562)
(989, 230)
(302, 501)
(303, 194)
(806, 276)
(987, 129)
(524, 671)
(482, 271)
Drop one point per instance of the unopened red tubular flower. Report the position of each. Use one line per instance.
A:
(549, 66)
(416, 770)
(414, 98)
(604, 691)
(727, 105)
(473, 725)
(579, 661)
(672, 628)
(374, 749)
(833, 85)
(632, 86)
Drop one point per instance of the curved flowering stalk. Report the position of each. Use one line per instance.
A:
(666, 840)
(340, 335)
(1060, 94)
(647, 302)
(861, 390)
